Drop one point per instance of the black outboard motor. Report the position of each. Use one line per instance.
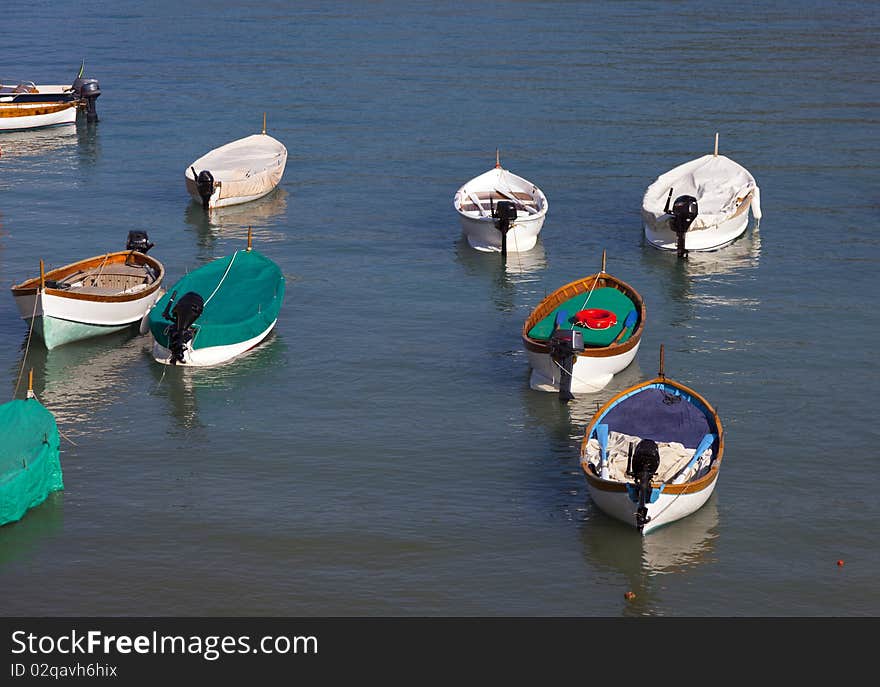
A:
(564, 345)
(205, 184)
(684, 212)
(138, 241)
(645, 463)
(88, 91)
(504, 213)
(186, 311)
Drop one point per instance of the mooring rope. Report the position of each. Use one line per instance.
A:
(228, 267)
(28, 345)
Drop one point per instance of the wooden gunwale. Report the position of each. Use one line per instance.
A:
(32, 285)
(683, 488)
(583, 286)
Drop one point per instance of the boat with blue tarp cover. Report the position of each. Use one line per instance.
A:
(583, 333)
(651, 454)
(218, 311)
(30, 466)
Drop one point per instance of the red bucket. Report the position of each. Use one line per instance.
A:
(595, 318)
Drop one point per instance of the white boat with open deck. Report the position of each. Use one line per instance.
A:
(583, 333)
(237, 172)
(712, 196)
(500, 211)
(95, 296)
(652, 453)
(26, 105)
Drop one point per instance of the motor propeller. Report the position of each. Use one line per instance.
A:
(684, 211)
(184, 313)
(643, 466)
(205, 184)
(504, 212)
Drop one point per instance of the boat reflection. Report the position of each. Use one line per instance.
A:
(78, 380)
(232, 222)
(676, 549)
(505, 275)
(29, 534)
(189, 389)
(32, 142)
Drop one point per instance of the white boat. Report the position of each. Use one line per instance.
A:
(651, 454)
(582, 334)
(700, 205)
(500, 211)
(237, 172)
(26, 105)
(95, 296)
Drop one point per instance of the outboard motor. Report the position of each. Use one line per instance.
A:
(645, 463)
(564, 345)
(504, 213)
(138, 241)
(186, 311)
(684, 212)
(205, 184)
(88, 91)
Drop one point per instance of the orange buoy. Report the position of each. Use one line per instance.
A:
(840, 563)
(595, 318)
(629, 596)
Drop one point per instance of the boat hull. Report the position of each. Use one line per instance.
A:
(482, 234)
(614, 500)
(711, 238)
(589, 373)
(212, 355)
(56, 332)
(19, 116)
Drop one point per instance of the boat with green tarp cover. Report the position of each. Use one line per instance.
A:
(218, 311)
(30, 466)
(583, 333)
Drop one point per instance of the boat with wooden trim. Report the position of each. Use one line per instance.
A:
(26, 105)
(713, 195)
(237, 172)
(500, 211)
(583, 333)
(30, 466)
(92, 297)
(651, 454)
(225, 308)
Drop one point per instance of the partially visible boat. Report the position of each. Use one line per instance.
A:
(218, 311)
(583, 333)
(500, 211)
(94, 296)
(651, 454)
(26, 105)
(700, 205)
(30, 466)
(237, 172)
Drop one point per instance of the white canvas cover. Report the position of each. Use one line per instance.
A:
(673, 457)
(250, 166)
(719, 184)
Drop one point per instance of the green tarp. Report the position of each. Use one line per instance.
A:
(30, 467)
(238, 306)
(604, 298)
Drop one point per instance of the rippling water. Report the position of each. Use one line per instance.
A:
(382, 453)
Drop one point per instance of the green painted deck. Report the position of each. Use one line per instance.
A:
(605, 298)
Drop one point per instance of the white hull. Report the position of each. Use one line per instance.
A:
(482, 234)
(217, 202)
(666, 509)
(474, 203)
(589, 374)
(213, 355)
(35, 121)
(60, 320)
(711, 238)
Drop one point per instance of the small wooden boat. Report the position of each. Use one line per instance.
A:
(30, 467)
(500, 211)
(583, 333)
(218, 311)
(712, 196)
(95, 296)
(651, 454)
(237, 172)
(26, 105)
